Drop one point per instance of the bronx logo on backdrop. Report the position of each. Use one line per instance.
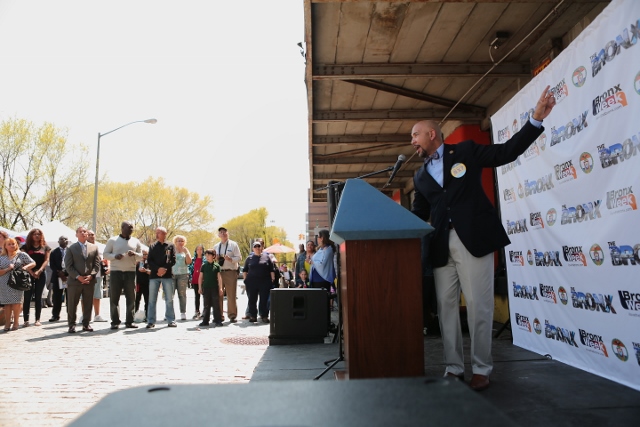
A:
(517, 226)
(510, 166)
(523, 322)
(626, 39)
(504, 134)
(609, 101)
(560, 91)
(593, 342)
(621, 200)
(558, 333)
(516, 258)
(565, 172)
(535, 186)
(525, 292)
(575, 126)
(548, 294)
(535, 220)
(619, 152)
(580, 213)
(574, 256)
(545, 259)
(592, 301)
(624, 254)
(509, 195)
(630, 301)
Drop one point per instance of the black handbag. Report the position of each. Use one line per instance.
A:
(20, 280)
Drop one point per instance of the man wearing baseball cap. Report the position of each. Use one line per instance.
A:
(228, 258)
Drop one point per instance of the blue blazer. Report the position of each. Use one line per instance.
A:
(462, 201)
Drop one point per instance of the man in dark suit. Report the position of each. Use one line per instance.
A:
(56, 262)
(82, 263)
(449, 194)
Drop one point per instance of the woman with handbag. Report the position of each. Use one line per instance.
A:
(12, 299)
(36, 247)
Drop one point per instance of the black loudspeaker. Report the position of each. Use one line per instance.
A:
(298, 316)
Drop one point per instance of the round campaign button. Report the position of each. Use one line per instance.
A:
(458, 170)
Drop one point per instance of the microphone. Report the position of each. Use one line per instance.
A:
(396, 168)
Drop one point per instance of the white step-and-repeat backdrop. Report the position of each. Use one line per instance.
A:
(569, 204)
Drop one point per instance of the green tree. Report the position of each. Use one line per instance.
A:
(40, 172)
(150, 204)
(244, 229)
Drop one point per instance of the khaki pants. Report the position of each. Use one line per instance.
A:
(230, 285)
(474, 276)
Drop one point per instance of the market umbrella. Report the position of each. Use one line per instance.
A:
(278, 249)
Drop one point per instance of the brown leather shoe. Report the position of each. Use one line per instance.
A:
(479, 382)
(87, 329)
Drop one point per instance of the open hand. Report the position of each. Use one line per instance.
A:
(544, 105)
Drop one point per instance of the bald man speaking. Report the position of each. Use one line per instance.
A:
(449, 195)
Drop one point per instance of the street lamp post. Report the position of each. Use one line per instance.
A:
(95, 188)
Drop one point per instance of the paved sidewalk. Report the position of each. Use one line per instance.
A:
(49, 377)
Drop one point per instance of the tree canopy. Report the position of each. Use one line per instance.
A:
(41, 176)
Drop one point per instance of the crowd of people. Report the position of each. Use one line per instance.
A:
(77, 272)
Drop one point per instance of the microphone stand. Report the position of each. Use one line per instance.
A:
(338, 333)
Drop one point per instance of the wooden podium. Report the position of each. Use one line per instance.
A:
(381, 284)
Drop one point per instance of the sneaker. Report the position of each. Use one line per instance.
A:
(203, 324)
(183, 316)
(172, 325)
(25, 324)
(99, 318)
(151, 325)
(197, 316)
(37, 323)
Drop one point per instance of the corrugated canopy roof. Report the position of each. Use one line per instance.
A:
(375, 68)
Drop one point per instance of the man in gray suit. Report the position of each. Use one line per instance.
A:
(82, 263)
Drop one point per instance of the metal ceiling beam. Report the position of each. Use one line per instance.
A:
(396, 139)
(417, 95)
(358, 160)
(451, 70)
(395, 115)
(454, 1)
(346, 175)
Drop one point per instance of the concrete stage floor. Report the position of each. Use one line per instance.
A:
(528, 388)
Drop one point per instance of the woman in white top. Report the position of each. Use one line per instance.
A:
(181, 272)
